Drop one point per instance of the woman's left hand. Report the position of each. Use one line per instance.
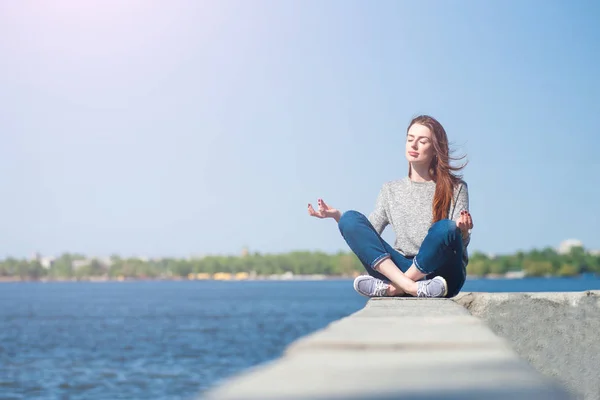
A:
(465, 223)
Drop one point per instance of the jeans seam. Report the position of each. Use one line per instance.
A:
(419, 267)
(379, 259)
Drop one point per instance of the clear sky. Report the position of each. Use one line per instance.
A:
(180, 128)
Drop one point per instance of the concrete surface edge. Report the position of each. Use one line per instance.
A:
(556, 333)
(400, 348)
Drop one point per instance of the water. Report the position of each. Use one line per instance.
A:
(168, 340)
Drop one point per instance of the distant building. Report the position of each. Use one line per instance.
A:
(47, 262)
(241, 276)
(566, 245)
(76, 264)
(106, 262)
(222, 276)
(198, 276)
(515, 274)
(286, 276)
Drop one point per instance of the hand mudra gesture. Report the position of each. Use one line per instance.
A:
(324, 211)
(465, 223)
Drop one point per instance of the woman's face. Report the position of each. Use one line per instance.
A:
(419, 146)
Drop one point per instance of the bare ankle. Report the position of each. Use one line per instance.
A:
(394, 291)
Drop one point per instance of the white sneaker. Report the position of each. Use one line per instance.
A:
(436, 287)
(368, 286)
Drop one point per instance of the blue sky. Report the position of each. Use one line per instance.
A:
(184, 127)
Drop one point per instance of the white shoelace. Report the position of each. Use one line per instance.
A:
(423, 288)
(381, 288)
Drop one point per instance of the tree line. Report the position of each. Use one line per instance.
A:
(546, 262)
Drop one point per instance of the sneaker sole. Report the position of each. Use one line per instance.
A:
(445, 287)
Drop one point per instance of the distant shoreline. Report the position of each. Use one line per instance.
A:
(295, 265)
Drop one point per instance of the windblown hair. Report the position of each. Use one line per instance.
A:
(440, 169)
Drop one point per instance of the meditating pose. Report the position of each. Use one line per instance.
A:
(429, 212)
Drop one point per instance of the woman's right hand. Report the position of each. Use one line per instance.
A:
(324, 211)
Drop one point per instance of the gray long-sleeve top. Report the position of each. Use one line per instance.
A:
(407, 206)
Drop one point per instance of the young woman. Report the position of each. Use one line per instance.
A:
(429, 212)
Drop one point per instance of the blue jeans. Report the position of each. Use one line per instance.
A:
(440, 254)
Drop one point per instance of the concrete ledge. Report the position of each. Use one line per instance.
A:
(557, 333)
(418, 323)
(397, 348)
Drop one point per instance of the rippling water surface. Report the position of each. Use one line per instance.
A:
(168, 340)
(151, 339)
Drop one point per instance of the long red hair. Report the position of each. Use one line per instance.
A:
(443, 174)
